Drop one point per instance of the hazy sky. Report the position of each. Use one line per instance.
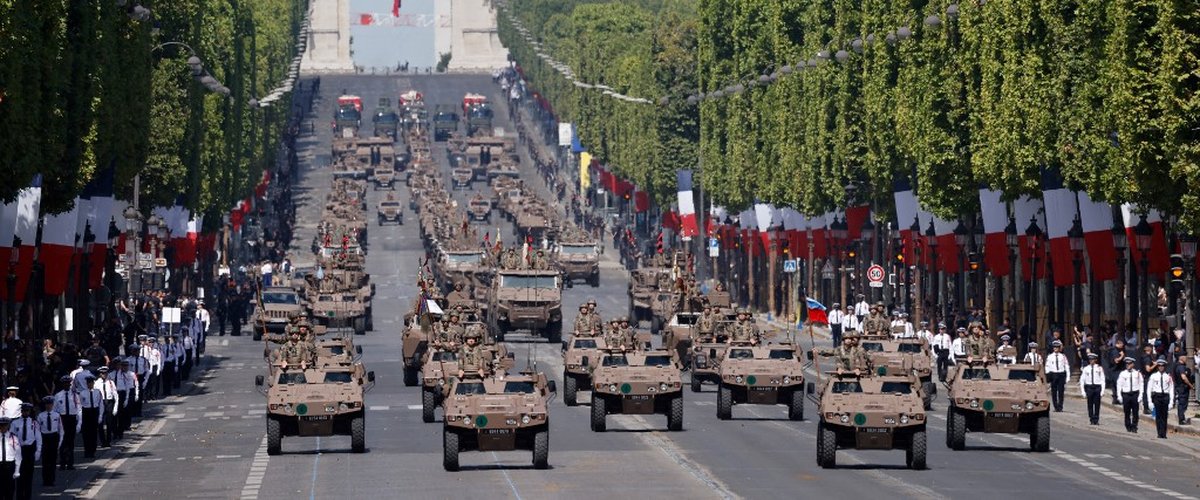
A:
(387, 46)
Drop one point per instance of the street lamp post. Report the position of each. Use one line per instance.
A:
(14, 259)
(979, 280)
(1033, 236)
(938, 289)
(1121, 243)
(1075, 238)
(907, 268)
(1011, 240)
(962, 237)
(1187, 248)
(1143, 234)
(839, 230)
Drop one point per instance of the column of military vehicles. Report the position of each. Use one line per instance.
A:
(875, 391)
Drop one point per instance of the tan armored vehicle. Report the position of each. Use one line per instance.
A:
(325, 401)
(526, 299)
(871, 413)
(336, 308)
(479, 209)
(580, 356)
(998, 398)
(390, 210)
(901, 357)
(440, 368)
(469, 266)
(498, 414)
(460, 178)
(677, 335)
(663, 306)
(762, 375)
(336, 350)
(578, 260)
(643, 285)
(278, 307)
(638, 383)
(414, 343)
(384, 178)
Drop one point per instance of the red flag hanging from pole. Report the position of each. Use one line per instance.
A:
(396, 8)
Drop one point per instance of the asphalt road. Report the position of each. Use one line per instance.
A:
(211, 443)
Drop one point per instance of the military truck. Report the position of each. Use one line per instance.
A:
(764, 375)
(479, 209)
(860, 412)
(479, 119)
(339, 308)
(498, 414)
(580, 355)
(445, 122)
(637, 383)
(346, 121)
(460, 178)
(902, 356)
(386, 120)
(390, 210)
(278, 307)
(578, 260)
(324, 401)
(998, 398)
(527, 299)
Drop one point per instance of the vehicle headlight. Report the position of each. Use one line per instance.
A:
(662, 386)
(344, 406)
(612, 387)
(787, 380)
(524, 419)
(329, 408)
(289, 407)
(1016, 406)
(510, 421)
(442, 381)
(738, 379)
(467, 419)
(1029, 405)
(974, 403)
(845, 418)
(903, 418)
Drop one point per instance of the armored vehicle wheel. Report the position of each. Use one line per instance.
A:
(724, 402)
(370, 315)
(675, 418)
(929, 390)
(449, 450)
(1039, 439)
(541, 450)
(697, 385)
(381, 221)
(358, 434)
(360, 326)
(796, 405)
(914, 456)
(570, 389)
(594, 280)
(956, 430)
(428, 403)
(274, 436)
(554, 332)
(599, 413)
(826, 446)
(410, 376)
(257, 335)
(656, 325)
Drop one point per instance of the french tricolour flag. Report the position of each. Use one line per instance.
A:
(58, 247)
(96, 211)
(1029, 211)
(1096, 217)
(28, 207)
(816, 311)
(907, 211)
(995, 242)
(8, 228)
(1060, 215)
(1158, 259)
(687, 205)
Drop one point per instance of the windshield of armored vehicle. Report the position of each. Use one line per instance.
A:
(481, 111)
(846, 387)
(464, 258)
(976, 374)
(741, 354)
(467, 388)
(1025, 375)
(337, 350)
(325, 298)
(280, 298)
(585, 343)
(781, 354)
(292, 378)
(338, 378)
(443, 116)
(389, 204)
(614, 361)
(522, 281)
(896, 388)
(658, 360)
(910, 348)
(686, 319)
(348, 113)
(445, 356)
(519, 387)
(872, 346)
(578, 249)
(387, 117)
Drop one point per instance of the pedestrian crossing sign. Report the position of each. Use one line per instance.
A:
(789, 266)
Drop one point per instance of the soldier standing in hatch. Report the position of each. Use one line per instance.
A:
(614, 336)
(294, 353)
(472, 360)
(849, 356)
(510, 260)
(458, 296)
(744, 331)
(539, 261)
(705, 325)
(597, 323)
(876, 323)
(583, 322)
(629, 335)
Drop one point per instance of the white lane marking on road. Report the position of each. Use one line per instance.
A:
(1127, 480)
(414, 407)
(312, 492)
(107, 468)
(224, 342)
(257, 471)
(228, 456)
(212, 414)
(1097, 455)
(508, 478)
(380, 408)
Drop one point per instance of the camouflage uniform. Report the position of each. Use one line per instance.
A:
(458, 296)
(510, 260)
(539, 261)
(297, 353)
(706, 325)
(852, 358)
(744, 330)
(876, 323)
(614, 337)
(583, 323)
(472, 359)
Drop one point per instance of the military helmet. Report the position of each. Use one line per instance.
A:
(472, 333)
(850, 335)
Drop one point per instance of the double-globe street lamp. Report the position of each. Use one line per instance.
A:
(1143, 234)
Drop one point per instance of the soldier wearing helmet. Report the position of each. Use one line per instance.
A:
(472, 360)
(706, 324)
(459, 296)
(614, 336)
(744, 330)
(583, 322)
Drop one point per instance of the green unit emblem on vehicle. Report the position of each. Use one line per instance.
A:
(988, 405)
(330, 314)
(301, 409)
(751, 380)
(881, 371)
(860, 419)
(481, 421)
(626, 388)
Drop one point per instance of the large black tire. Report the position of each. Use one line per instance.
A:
(274, 437)
(358, 434)
(914, 456)
(724, 402)
(956, 430)
(675, 418)
(656, 325)
(257, 335)
(428, 404)
(594, 280)
(541, 449)
(370, 315)
(1039, 438)
(570, 389)
(360, 325)
(554, 332)
(929, 390)
(697, 385)
(410, 376)
(449, 450)
(826, 446)
(599, 413)
(796, 405)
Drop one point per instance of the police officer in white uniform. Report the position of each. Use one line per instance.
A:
(941, 349)
(30, 437)
(1129, 393)
(10, 459)
(1033, 357)
(1058, 373)
(1091, 385)
(52, 430)
(1162, 390)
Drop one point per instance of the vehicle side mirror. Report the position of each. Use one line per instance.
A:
(552, 386)
(564, 345)
(358, 349)
(258, 380)
(584, 361)
(371, 376)
(511, 355)
(808, 354)
(811, 388)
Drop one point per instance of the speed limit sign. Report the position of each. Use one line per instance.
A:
(875, 276)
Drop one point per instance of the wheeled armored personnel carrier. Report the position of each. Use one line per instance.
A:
(578, 260)
(639, 383)
(678, 335)
(479, 209)
(526, 299)
(439, 369)
(460, 178)
(859, 412)
(324, 401)
(390, 210)
(580, 355)
(278, 307)
(903, 356)
(998, 398)
(498, 414)
(764, 375)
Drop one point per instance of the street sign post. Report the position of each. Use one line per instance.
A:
(875, 276)
(714, 249)
(789, 266)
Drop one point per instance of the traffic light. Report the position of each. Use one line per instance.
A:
(900, 256)
(787, 250)
(973, 261)
(1177, 271)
